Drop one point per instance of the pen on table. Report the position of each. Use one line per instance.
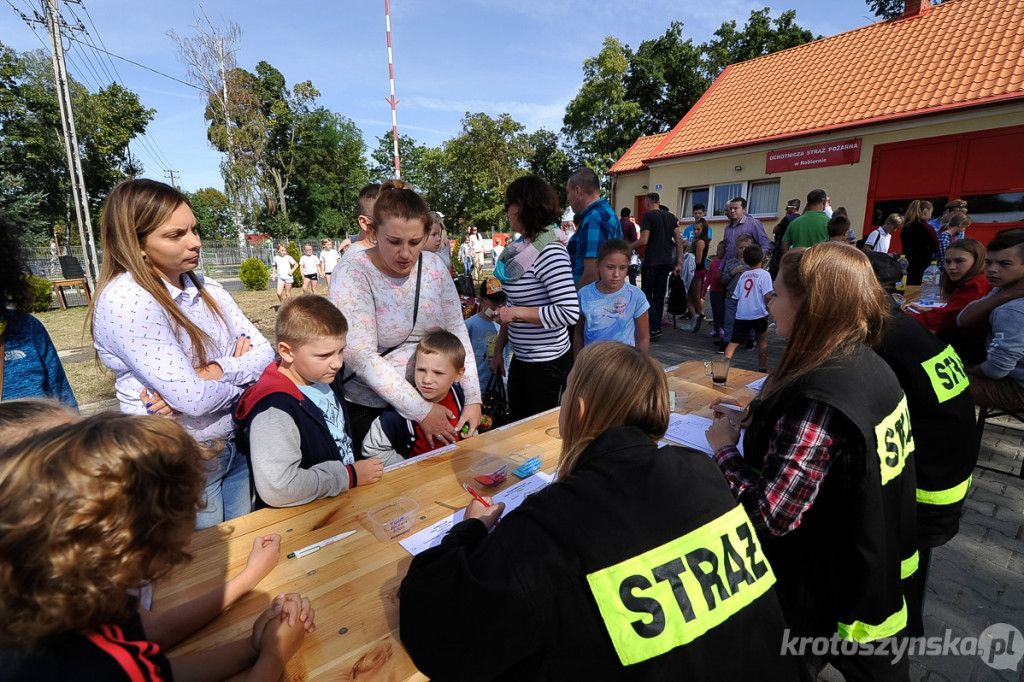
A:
(476, 495)
(317, 546)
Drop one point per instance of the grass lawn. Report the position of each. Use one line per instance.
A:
(91, 381)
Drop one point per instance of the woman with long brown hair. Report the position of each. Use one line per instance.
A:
(920, 243)
(570, 564)
(961, 282)
(177, 342)
(826, 458)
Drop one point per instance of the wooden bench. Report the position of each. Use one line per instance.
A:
(60, 285)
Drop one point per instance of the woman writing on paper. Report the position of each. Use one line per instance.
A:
(598, 575)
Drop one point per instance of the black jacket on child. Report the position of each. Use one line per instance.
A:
(638, 566)
(274, 389)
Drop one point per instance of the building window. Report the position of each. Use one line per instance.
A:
(995, 208)
(723, 194)
(692, 197)
(762, 198)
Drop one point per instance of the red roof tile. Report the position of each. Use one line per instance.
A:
(961, 53)
(633, 159)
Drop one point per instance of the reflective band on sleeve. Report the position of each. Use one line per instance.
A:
(895, 441)
(948, 496)
(863, 632)
(671, 595)
(908, 566)
(947, 374)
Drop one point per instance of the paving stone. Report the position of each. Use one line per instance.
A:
(980, 506)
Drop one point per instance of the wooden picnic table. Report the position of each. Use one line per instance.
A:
(353, 584)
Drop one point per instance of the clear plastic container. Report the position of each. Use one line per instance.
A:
(490, 470)
(930, 285)
(393, 518)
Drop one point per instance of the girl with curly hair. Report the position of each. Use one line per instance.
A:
(91, 509)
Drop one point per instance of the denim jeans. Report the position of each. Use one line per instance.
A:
(228, 494)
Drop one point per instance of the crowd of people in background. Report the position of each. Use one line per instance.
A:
(835, 500)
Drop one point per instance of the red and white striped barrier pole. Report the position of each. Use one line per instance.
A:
(391, 100)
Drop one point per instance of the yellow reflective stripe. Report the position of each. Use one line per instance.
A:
(865, 632)
(948, 496)
(908, 566)
(671, 595)
(946, 371)
(895, 441)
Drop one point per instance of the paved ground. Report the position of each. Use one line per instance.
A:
(976, 579)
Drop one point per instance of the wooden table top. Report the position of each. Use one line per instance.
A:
(353, 584)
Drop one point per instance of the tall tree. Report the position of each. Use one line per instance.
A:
(666, 77)
(210, 62)
(546, 157)
(329, 172)
(600, 121)
(486, 155)
(284, 112)
(760, 36)
(32, 146)
(627, 94)
(213, 213)
(890, 9)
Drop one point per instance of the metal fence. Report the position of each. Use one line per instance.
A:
(220, 255)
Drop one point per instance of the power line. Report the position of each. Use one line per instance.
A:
(141, 66)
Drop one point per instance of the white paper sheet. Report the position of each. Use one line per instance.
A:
(512, 496)
(688, 430)
(757, 384)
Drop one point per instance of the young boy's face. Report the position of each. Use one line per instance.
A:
(309, 249)
(316, 362)
(1003, 268)
(282, 250)
(741, 247)
(435, 376)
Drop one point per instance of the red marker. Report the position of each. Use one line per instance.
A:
(476, 495)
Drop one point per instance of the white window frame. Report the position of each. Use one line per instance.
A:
(710, 187)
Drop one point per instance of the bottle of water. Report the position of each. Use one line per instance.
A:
(901, 286)
(930, 285)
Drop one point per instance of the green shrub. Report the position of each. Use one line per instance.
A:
(254, 274)
(293, 251)
(40, 294)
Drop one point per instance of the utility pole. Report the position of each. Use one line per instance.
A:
(67, 121)
(170, 174)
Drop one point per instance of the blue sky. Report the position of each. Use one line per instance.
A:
(521, 57)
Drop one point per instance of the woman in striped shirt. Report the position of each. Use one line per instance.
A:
(537, 276)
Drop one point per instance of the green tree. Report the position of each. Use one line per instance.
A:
(547, 158)
(213, 213)
(760, 36)
(600, 121)
(235, 125)
(627, 94)
(412, 160)
(329, 172)
(666, 77)
(32, 146)
(889, 9)
(481, 161)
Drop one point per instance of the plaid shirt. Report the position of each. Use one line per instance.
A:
(599, 224)
(800, 452)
